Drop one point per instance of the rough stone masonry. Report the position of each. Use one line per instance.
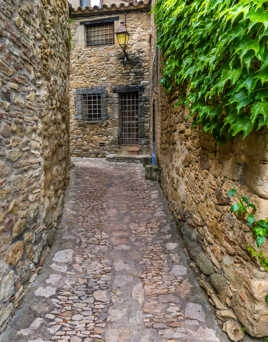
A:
(100, 69)
(196, 176)
(34, 135)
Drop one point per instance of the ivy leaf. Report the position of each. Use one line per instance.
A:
(260, 240)
(249, 84)
(259, 231)
(231, 192)
(262, 76)
(262, 95)
(241, 98)
(245, 199)
(259, 108)
(266, 299)
(247, 45)
(230, 75)
(251, 219)
(236, 207)
(237, 11)
(252, 251)
(256, 17)
(252, 206)
(248, 59)
(263, 224)
(241, 124)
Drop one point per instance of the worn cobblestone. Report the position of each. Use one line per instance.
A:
(117, 271)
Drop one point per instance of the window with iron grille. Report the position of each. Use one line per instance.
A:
(100, 34)
(91, 104)
(91, 107)
(129, 124)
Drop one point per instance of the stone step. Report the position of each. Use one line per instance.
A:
(145, 159)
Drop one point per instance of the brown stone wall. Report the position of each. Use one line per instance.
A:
(34, 136)
(196, 176)
(102, 66)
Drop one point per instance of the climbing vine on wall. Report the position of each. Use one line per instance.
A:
(217, 51)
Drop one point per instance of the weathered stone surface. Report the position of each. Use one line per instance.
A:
(195, 311)
(101, 296)
(110, 294)
(179, 270)
(233, 330)
(5, 313)
(219, 283)
(196, 175)
(34, 137)
(102, 66)
(64, 256)
(204, 263)
(5, 130)
(226, 315)
(7, 286)
(18, 228)
(45, 291)
(15, 253)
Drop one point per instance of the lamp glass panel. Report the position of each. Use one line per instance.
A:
(123, 39)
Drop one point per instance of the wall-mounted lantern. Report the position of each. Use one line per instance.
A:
(122, 36)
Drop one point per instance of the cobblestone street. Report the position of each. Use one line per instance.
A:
(117, 271)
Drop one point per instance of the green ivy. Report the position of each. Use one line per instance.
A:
(217, 50)
(245, 210)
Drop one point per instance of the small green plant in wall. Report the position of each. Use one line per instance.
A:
(246, 210)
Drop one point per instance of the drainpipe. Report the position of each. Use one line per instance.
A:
(153, 155)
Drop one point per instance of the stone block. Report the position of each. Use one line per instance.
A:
(18, 228)
(219, 283)
(233, 330)
(7, 286)
(15, 253)
(204, 264)
(5, 313)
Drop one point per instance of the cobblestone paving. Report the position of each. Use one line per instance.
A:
(117, 271)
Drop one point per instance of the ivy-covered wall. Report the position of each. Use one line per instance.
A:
(196, 176)
(217, 52)
(214, 89)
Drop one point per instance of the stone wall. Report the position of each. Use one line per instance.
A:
(102, 66)
(196, 176)
(34, 136)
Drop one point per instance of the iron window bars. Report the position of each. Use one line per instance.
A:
(91, 107)
(129, 125)
(91, 104)
(100, 34)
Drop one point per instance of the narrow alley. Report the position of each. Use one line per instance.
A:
(117, 271)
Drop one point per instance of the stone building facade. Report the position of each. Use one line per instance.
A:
(34, 138)
(196, 175)
(110, 99)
